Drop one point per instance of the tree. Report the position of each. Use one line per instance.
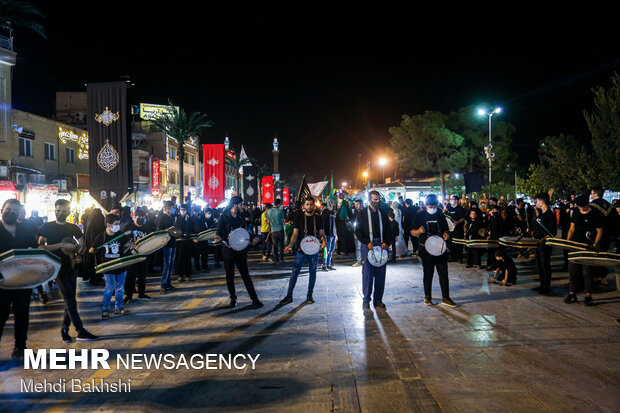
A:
(475, 132)
(604, 125)
(19, 13)
(182, 127)
(237, 164)
(425, 144)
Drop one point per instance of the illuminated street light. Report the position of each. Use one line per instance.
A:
(365, 174)
(344, 184)
(488, 150)
(382, 163)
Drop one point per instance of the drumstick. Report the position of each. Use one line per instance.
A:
(548, 232)
(114, 239)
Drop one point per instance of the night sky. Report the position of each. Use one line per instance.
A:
(327, 80)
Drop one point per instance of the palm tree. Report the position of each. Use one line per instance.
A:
(237, 164)
(18, 13)
(181, 127)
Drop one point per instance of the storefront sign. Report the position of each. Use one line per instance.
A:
(150, 111)
(155, 183)
(70, 136)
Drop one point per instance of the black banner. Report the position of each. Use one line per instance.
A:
(474, 182)
(304, 190)
(278, 190)
(250, 185)
(110, 165)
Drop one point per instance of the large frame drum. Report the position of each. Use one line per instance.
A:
(27, 268)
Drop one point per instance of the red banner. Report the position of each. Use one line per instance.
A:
(267, 189)
(155, 184)
(214, 180)
(285, 199)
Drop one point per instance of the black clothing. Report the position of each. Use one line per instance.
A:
(409, 214)
(240, 259)
(548, 221)
(608, 214)
(19, 299)
(23, 238)
(227, 223)
(429, 263)
(111, 251)
(585, 226)
(329, 221)
(508, 266)
(68, 289)
(496, 226)
(55, 233)
(163, 223)
(307, 226)
(362, 231)
(456, 213)
(139, 232)
(435, 224)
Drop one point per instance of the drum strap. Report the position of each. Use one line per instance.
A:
(306, 224)
(370, 225)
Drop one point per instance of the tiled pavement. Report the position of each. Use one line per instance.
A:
(504, 349)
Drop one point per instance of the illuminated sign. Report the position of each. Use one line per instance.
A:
(155, 183)
(82, 140)
(150, 111)
(231, 154)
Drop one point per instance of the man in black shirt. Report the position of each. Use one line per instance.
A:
(167, 220)
(51, 236)
(231, 219)
(307, 224)
(358, 206)
(608, 214)
(328, 215)
(457, 213)
(370, 234)
(409, 213)
(14, 235)
(544, 226)
(586, 227)
(428, 223)
(185, 244)
(139, 228)
(496, 230)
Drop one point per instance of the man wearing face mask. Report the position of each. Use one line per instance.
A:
(14, 235)
(166, 220)
(544, 226)
(140, 228)
(231, 219)
(381, 235)
(457, 213)
(51, 237)
(426, 224)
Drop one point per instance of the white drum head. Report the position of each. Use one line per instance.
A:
(377, 257)
(239, 239)
(27, 268)
(435, 245)
(152, 242)
(310, 245)
(450, 223)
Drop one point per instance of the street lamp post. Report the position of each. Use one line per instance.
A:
(488, 150)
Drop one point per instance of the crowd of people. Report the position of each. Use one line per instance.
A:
(310, 230)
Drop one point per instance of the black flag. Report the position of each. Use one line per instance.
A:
(250, 185)
(474, 182)
(304, 191)
(110, 166)
(278, 190)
